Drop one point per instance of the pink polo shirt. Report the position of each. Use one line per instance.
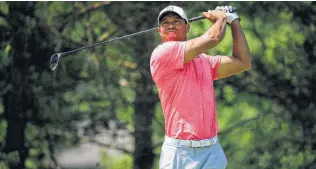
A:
(186, 91)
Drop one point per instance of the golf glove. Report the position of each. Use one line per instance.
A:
(230, 11)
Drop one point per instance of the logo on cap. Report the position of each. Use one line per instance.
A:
(169, 8)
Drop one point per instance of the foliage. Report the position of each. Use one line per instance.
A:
(266, 115)
(120, 162)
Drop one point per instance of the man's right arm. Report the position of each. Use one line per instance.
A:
(214, 35)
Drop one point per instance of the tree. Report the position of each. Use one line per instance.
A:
(270, 107)
(26, 38)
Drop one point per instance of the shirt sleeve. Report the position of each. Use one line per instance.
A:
(214, 63)
(167, 58)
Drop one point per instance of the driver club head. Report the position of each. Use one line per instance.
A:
(54, 59)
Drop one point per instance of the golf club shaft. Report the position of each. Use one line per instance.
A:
(118, 38)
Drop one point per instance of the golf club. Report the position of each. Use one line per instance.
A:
(54, 59)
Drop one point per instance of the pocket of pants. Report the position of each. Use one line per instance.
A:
(222, 157)
(167, 156)
(216, 158)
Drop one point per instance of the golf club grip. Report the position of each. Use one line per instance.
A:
(196, 18)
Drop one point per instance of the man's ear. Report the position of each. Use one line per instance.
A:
(187, 27)
(159, 30)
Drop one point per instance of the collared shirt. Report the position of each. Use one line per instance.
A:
(186, 91)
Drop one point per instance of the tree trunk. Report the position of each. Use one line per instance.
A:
(144, 106)
(16, 102)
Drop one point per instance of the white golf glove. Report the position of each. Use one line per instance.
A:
(230, 11)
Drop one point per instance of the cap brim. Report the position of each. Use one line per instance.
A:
(165, 13)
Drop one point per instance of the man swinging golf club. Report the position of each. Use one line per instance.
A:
(184, 75)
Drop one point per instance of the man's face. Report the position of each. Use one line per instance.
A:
(173, 28)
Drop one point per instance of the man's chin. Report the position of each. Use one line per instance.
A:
(171, 36)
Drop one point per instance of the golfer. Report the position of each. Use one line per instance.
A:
(184, 75)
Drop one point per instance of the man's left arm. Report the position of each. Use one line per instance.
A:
(240, 60)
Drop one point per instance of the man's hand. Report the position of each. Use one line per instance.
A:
(214, 15)
(230, 11)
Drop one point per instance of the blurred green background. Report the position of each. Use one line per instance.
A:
(100, 110)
